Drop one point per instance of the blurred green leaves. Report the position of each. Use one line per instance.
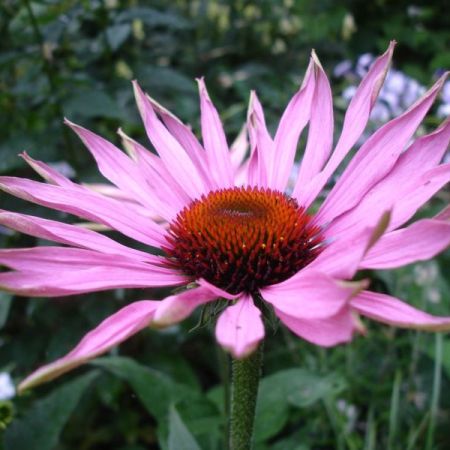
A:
(178, 408)
(179, 436)
(292, 387)
(40, 427)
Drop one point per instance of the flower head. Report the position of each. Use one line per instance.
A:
(229, 226)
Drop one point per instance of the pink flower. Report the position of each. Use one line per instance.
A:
(229, 230)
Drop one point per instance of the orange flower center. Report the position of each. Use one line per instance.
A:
(242, 239)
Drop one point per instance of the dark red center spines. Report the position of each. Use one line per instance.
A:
(242, 239)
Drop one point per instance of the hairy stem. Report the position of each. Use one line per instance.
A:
(244, 389)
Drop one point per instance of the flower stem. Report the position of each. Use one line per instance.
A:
(244, 389)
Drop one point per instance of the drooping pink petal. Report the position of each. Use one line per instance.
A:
(99, 278)
(342, 257)
(292, 123)
(261, 144)
(49, 258)
(214, 140)
(240, 328)
(177, 307)
(88, 205)
(328, 332)
(402, 180)
(320, 133)
(390, 310)
(171, 152)
(420, 241)
(310, 295)
(70, 235)
(217, 291)
(111, 332)
(355, 121)
(376, 158)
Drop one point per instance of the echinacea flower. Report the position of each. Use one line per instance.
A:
(228, 228)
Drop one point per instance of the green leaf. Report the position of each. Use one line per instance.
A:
(5, 304)
(165, 78)
(158, 392)
(117, 35)
(296, 387)
(92, 103)
(179, 436)
(41, 426)
(154, 18)
(155, 389)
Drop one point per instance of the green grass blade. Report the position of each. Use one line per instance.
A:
(436, 391)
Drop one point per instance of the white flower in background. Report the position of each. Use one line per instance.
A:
(363, 64)
(398, 93)
(342, 68)
(348, 93)
(7, 389)
(444, 109)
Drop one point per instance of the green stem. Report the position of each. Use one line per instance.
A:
(436, 390)
(244, 389)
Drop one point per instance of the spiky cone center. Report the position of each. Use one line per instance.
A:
(242, 239)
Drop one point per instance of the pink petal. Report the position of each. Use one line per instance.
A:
(48, 173)
(310, 295)
(342, 257)
(320, 133)
(444, 214)
(418, 242)
(355, 121)
(171, 152)
(110, 191)
(292, 123)
(420, 192)
(390, 310)
(403, 179)
(166, 188)
(116, 166)
(240, 328)
(49, 258)
(261, 144)
(376, 158)
(177, 307)
(112, 331)
(70, 235)
(217, 291)
(186, 138)
(214, 140)
(328, 332)
(98, 278)
(88, 205)
(239, 148)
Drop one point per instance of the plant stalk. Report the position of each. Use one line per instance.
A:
(244, 390)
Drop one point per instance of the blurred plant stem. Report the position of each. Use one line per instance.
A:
(436, 390)
(244, 390)
(70, 154)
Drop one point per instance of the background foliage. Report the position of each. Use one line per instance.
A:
(163, 390)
